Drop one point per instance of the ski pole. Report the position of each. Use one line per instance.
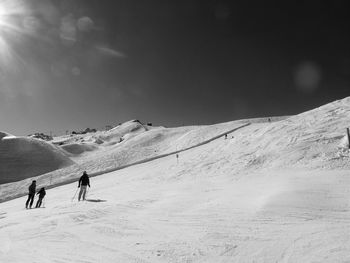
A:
(75, 194)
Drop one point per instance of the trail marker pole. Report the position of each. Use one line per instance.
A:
(348, 133)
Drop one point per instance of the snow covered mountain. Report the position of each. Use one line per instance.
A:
(273, 191)
(23, 157)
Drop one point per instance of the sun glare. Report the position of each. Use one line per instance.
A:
(12, 15)
(3, 15)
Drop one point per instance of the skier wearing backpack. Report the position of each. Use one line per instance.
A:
(41, 194)
(31, 194)
(83, 183)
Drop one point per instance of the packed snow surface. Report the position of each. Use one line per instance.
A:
(271, 192)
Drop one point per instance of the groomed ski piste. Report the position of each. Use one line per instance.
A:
(273, 191)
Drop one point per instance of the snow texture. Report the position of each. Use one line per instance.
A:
(273, 191)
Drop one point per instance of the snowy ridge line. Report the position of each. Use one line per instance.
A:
(167, 154)
(72, 180)
(265, 119)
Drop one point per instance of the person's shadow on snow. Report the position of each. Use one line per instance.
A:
(95, 200)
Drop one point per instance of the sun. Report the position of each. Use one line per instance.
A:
(12, 15)
(11, 12)
(3, 15)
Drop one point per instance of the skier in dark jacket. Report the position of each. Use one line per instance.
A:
(41, 194)
(31, 194)
(83, 183)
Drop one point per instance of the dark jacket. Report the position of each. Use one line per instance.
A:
(41, 193)
(84, 180)
(32, 189)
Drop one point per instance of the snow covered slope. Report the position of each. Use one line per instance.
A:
(156, 213)
(314, 139)
(271, 192)
(139, 145)
(22, 157)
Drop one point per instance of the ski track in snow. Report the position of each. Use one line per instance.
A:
(148, 219)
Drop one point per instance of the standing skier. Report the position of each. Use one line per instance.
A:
(41, 194)
(31, 194)
(84, 182)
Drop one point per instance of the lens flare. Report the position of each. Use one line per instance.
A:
(307, 77)
(13, 13)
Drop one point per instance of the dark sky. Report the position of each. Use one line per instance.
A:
(69, 65)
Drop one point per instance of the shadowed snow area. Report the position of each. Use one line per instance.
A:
(22, 157)
(77, 148)
(271, 192)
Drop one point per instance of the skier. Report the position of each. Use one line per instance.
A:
(84, 182)
(225, 136)
(31, 194)
(41, 194)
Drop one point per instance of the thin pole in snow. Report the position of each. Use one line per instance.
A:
(177, 156)
(75, 194)
(348, 133)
